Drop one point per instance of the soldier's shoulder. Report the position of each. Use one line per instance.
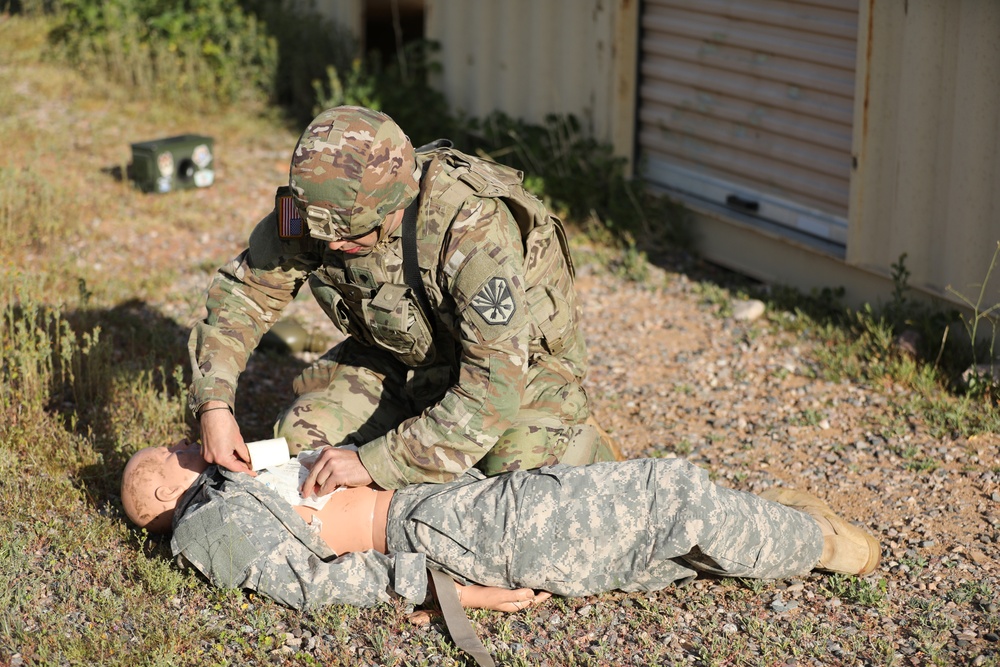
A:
(269, 248)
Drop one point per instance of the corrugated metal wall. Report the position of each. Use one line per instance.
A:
(528, 58)
(928, 142)
(751, 103)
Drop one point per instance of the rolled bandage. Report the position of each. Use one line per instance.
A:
(268, 453)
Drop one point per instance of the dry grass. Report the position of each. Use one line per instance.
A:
(100, 284)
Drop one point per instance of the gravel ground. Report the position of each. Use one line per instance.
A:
(674, 374)
(671, 375)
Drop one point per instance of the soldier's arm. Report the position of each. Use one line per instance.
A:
(483, 267)
(245, 299)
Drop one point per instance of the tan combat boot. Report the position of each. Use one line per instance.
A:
(846, 548)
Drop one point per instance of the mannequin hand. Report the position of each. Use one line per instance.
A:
(335, 467)
(474, 596)
(221, 440)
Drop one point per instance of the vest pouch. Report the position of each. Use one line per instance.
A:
(551, 315)
(398, 325)
(336, 308)
(544, 260)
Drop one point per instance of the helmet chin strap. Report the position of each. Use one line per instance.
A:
(385, 230)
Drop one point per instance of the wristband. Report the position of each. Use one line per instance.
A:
(218, 407)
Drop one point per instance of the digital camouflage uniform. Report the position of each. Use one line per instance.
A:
(492, 378)
(634, 525)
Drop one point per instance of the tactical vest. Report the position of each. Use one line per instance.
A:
(392, 318)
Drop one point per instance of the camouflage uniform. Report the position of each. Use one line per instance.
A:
(492, 380)
(661, 520)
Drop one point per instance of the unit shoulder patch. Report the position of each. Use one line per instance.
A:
(494, 302)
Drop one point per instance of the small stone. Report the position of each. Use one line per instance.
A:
(981, 373)
(991, 637)
(584, 610)
(748, 311)
(978, 557)
(779, 606)
(908, 342)
(16, 660)
(926, 544)
(729, 629)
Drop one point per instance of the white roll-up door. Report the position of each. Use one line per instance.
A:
(749, 104)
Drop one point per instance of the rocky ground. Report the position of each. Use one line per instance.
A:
(675, 374)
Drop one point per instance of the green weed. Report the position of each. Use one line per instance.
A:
(204, 52)
(855, 589)
(981, 383)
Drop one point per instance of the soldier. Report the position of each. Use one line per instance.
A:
(455, 289)
(630, 525)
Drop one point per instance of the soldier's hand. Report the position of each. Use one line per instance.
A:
(474, 596)
(221, 440)
(335, 466)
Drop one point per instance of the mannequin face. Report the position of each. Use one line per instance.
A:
(180, 464)
(154, 480)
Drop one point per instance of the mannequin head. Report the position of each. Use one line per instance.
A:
(154, 480)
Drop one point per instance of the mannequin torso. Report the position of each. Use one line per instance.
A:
(354, 519)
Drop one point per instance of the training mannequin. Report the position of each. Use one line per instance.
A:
(351, 520)
(631, 525)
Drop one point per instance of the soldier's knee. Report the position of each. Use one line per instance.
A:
(297, 438)
(310, 425)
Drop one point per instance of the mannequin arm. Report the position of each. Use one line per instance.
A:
(474, 596)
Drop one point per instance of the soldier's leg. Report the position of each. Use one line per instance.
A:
(351, 395)
(549, 429)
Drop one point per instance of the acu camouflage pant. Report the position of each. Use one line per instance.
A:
(355, 394)
(630, 525)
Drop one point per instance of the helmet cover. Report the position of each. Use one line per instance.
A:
(350, 169)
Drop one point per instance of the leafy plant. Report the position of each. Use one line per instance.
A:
(981, 382)
(205, 51)
(854, 589)
(564, 163)
(400, 89)
(308, 46)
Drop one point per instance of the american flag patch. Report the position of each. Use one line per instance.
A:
(289, 218)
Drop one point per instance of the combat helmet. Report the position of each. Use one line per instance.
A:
(350, 169)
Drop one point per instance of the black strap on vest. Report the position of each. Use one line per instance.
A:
(411, 262)
(461, 630)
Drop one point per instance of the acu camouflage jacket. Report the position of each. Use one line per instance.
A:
(240, 534)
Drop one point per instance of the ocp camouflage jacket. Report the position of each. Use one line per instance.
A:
(502, 298)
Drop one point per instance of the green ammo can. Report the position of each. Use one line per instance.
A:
(175, 163)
